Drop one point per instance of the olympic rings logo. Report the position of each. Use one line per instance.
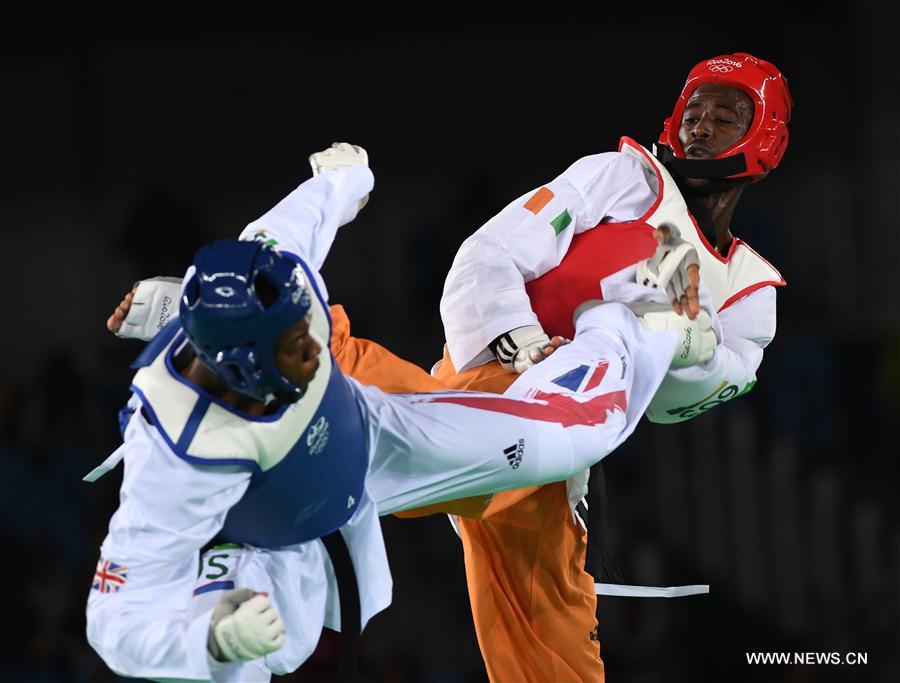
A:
(723, 66)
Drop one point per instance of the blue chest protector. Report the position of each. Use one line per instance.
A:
(317, 486)
(309, 460)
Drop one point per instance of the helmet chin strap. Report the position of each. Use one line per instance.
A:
(694, 201)
(707, 169)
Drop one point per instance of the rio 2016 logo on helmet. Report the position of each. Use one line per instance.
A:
(241, 298)
(766, 139)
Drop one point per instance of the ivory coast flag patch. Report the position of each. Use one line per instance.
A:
(561, 222)
(539, 200)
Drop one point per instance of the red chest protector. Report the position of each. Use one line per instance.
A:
(592, 256)
(609, 247)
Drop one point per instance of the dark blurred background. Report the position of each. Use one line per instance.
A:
(130, 133)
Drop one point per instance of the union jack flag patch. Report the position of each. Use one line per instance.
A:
(109, 577)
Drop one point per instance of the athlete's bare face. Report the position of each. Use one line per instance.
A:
(297, 354)
(715, 118)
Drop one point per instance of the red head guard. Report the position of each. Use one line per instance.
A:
(767, 137)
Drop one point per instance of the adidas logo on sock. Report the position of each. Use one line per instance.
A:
(514, 453)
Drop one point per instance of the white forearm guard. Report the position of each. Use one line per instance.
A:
(696, 339)
(519, 349)
(155, 301)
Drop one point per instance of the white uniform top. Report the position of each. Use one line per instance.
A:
(167, 512)
(484, 293)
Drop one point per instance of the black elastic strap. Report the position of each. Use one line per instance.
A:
(714, 169)
(696, 207)
(504, 348)
(348, 592)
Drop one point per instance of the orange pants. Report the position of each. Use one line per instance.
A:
(532, 601)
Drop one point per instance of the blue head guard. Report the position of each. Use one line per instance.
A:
(241, 298)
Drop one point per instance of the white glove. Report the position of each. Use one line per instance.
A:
(340, 155)
(696, 339)
(667, 268)
(244, 626)
(519, 349)
(155, 301)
